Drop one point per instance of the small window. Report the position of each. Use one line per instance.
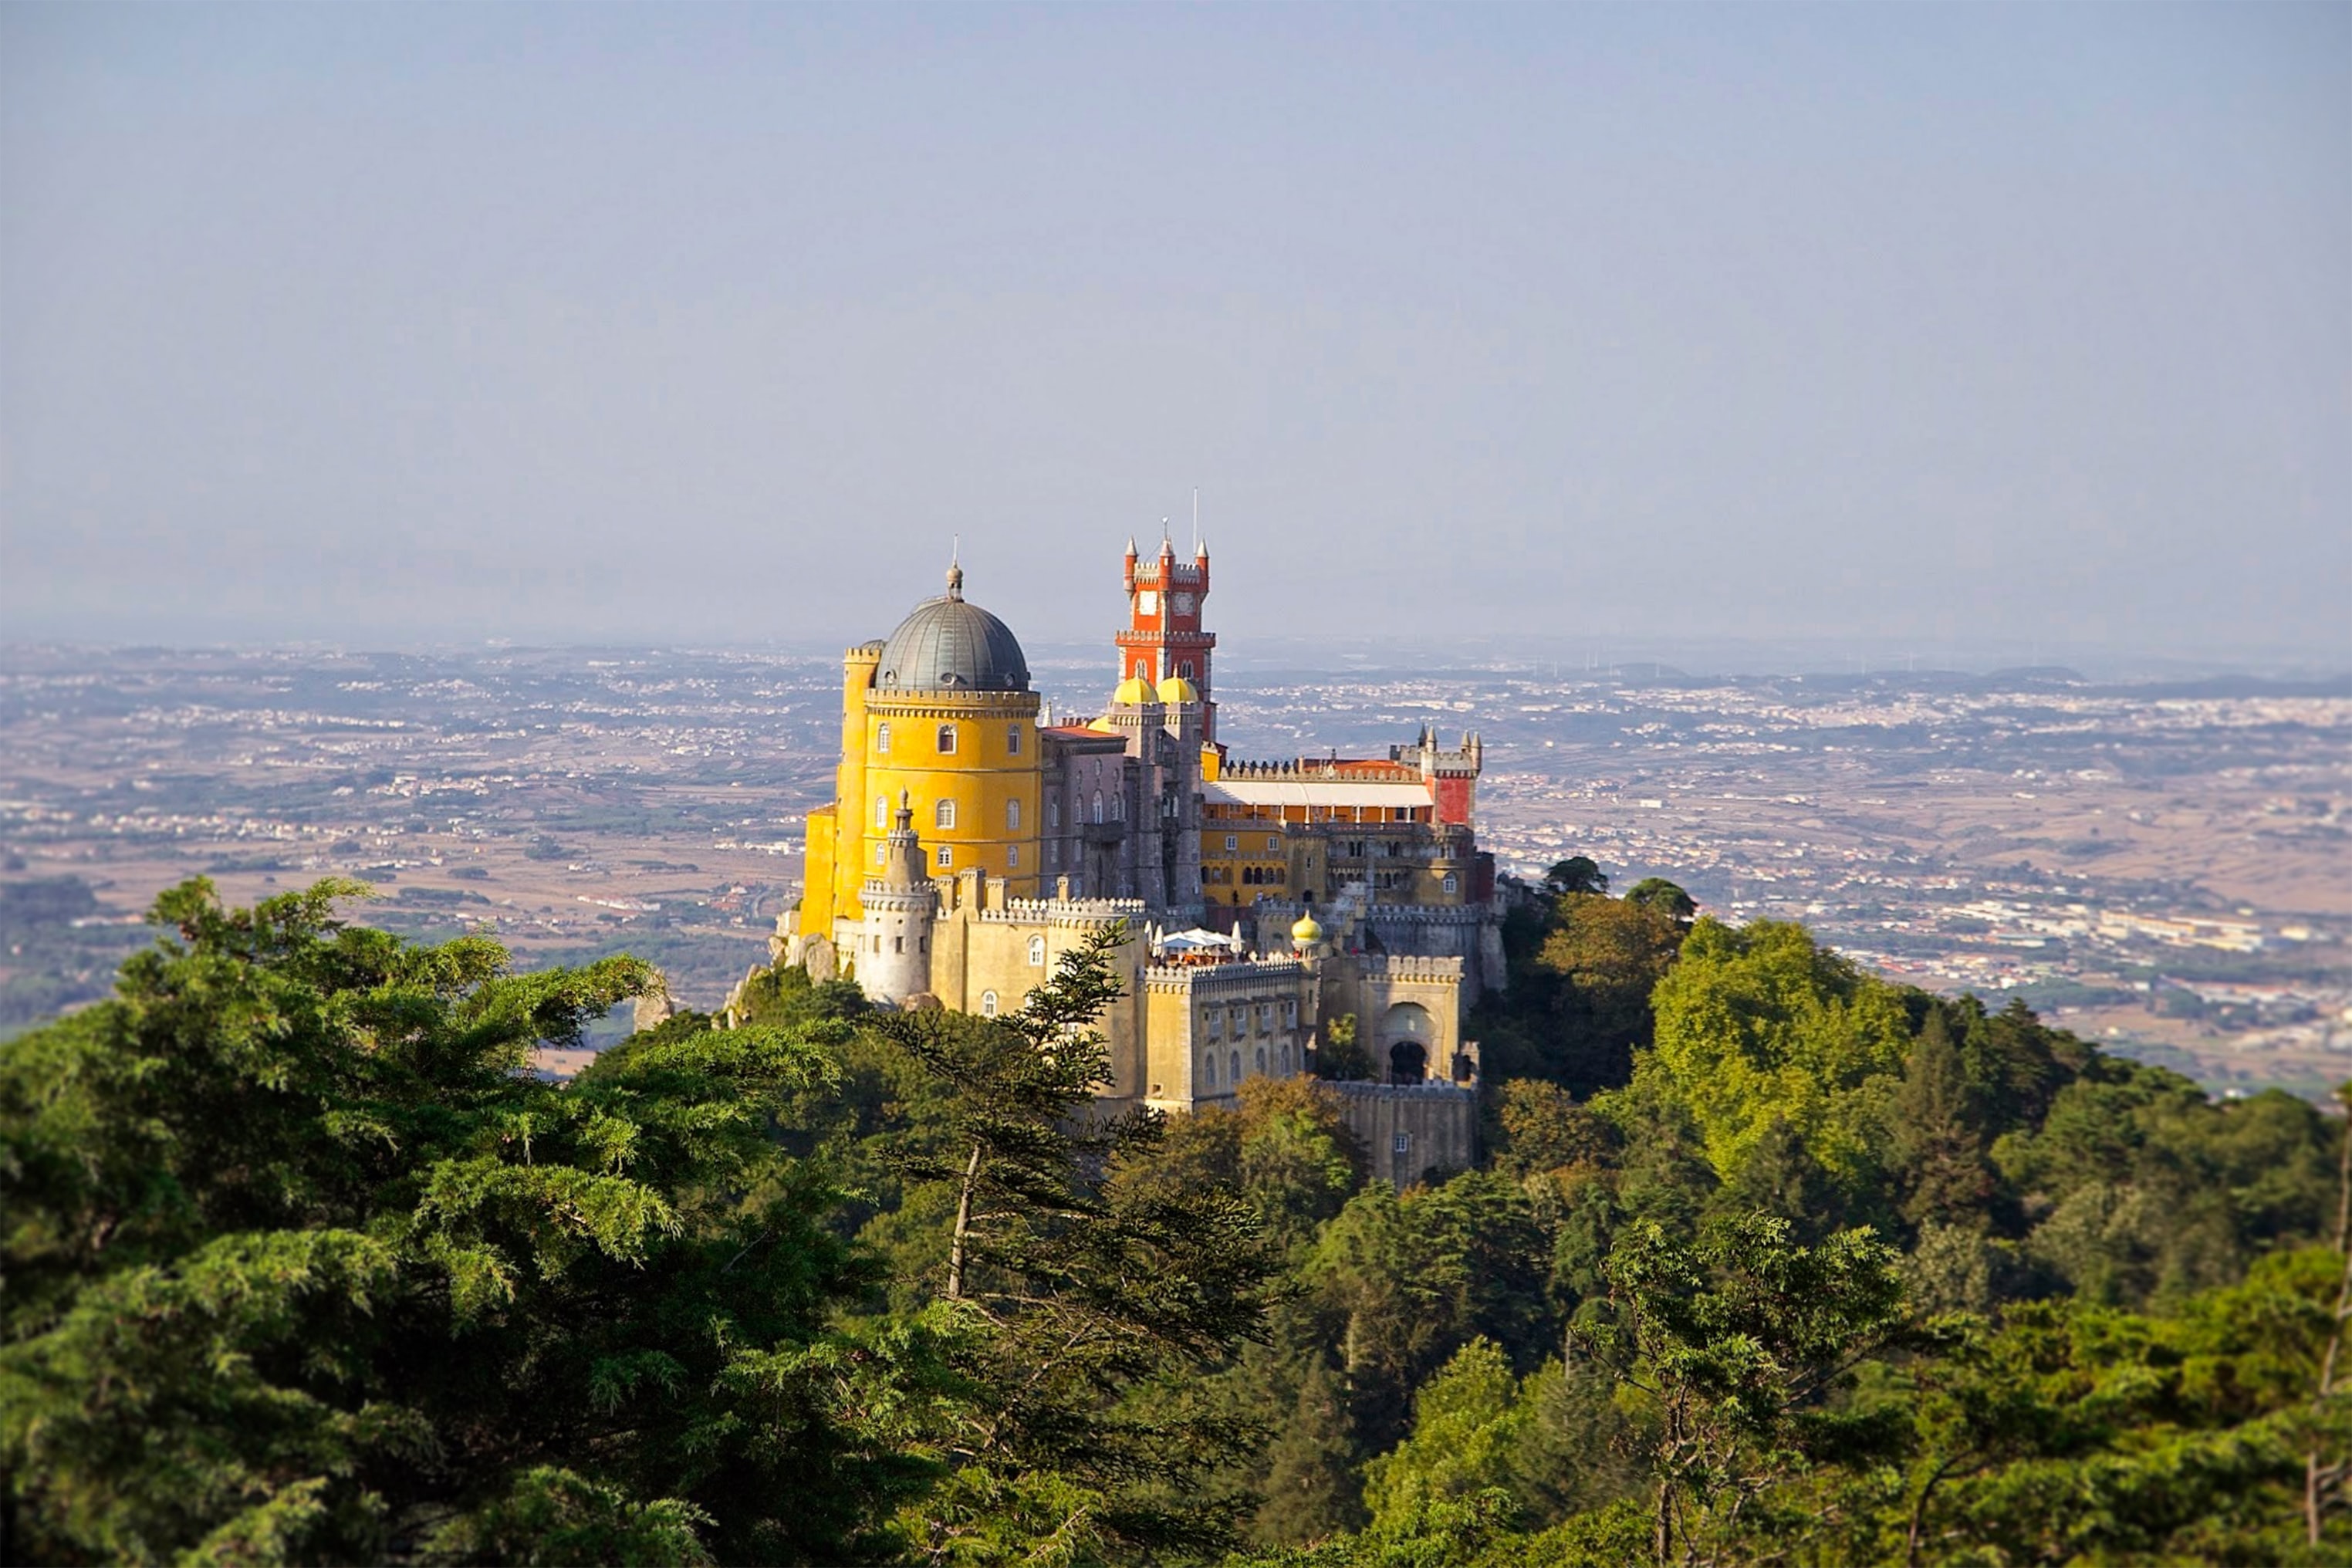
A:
(1273, 844)
(1403, 1144)
(1261, 1060)
(1216, 1025)
(1053, 852)
(1038, 953)
(881, 811)
(1013, 740)
(1285, 1056)
(1209, 1068)
(945, 813)
(1098, 805)
(882, 738)
(1234, 1062)
(1119, 808)
(1013, 855)
(897, 944)
(988, 1003)
(946, 740)
(1013, 817)
(1453, 883)
(1185, 669)
(1233, 842)
(947, 856)
(1053, 813)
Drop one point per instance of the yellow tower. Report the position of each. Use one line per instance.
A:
(943, 713)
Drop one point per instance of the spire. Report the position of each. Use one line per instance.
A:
(955, 570)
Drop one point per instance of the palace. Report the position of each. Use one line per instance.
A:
(972, 838)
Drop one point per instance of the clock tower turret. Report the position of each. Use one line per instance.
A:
(1163, 639)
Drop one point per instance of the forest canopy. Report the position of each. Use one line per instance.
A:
(1767, 1259)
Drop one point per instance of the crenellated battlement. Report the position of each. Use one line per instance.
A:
(1408, 966)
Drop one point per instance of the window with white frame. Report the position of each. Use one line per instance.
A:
(1038, 953)
(947, 856)
(1453, 883)
(1273, 844)
(988, 1003)
(881, 811)
(1403, 1144)
(944, 813)
(1054, 811)
(1013, 855)
(1013, 740)
(882, 738)
(946, 740)
(1012, 817)
(1233, 842)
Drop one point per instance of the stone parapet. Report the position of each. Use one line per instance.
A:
(1242, 976)
(1406, 966)
(1066, 913)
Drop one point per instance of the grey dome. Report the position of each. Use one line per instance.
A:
(947, 645)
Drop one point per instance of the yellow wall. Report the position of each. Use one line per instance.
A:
(982, 776)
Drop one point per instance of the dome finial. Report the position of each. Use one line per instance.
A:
(955, 569)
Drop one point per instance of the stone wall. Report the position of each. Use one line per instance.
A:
(1413, 1131)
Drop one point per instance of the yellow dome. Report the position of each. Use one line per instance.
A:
(1306, 933)
(1176, 688)
(1130, 692)
(1105, 725)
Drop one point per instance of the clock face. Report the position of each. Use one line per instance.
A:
(1147, 602)
(1183, 603)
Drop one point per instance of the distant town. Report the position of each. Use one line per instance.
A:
(2165, 868)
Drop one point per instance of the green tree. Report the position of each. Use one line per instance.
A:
(1083, 1308)
(1598, 965)
(1759, 1023)
(1468, 1427)
(1665, 898)
(1341, 1057)
(1736, 1341)
(301, 1260)
(1577, 874)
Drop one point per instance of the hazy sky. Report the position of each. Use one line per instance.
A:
(650, 323)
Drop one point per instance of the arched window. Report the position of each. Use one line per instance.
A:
(1012, 817)
(1053, 813)
(1119, 808)
(1261, 1058)
(1285, 1056)
(1013, 855)
(945, 813)
(1236, 1063)
(1013, 740)
(946, 740)
(881, 811)
(1209, 1068)
(1097, 806)
(946, 856)
(881, 853)
(988, 1003)
(1037, 952)
(882, 738)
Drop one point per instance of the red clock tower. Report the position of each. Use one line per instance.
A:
(1163, 636)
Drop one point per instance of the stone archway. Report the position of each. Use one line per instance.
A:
(1407, 1032)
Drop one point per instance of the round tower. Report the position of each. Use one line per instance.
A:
(894, 944)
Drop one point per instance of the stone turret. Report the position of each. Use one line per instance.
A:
(894, 948)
